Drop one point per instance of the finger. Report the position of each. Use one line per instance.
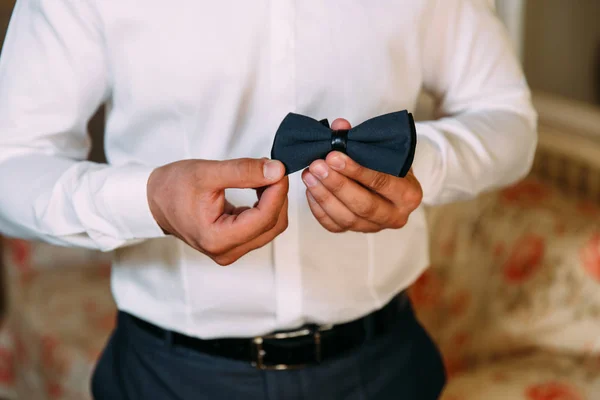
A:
(236, 253)
(334, 208)
(244, 173)
(231, 209)
(404, 192)
(228, 208)
(340, 124)
(239, 210)
(321, 215)
(234, 230)
(260, 241)
(359, 200)
(259, 191)
(410, 176)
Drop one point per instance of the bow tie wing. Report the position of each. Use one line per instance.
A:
(385, 143)
(299, 141)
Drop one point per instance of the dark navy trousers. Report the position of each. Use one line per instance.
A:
(403, 364)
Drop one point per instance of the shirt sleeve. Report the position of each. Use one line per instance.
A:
(53, 77)
(486, 135)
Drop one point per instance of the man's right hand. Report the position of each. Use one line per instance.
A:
(187, 199)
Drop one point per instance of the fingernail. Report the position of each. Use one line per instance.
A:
(320, 169)
(337, 162)
(271, 170)
(310, 197)
(310, 180)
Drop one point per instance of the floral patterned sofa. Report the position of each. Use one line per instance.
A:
(512, 296)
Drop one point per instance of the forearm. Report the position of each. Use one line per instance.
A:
(53, 77)
(463, 156)
(488, 133)
(75, 203)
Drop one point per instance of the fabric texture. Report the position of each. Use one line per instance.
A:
(179, 83)
(385, 143)
(516, 270)
(60, 313)
(136, 365)
(533, 376)
(509, 298)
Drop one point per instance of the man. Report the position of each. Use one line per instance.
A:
(300, 296)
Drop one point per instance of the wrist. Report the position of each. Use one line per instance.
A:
(153, 192)
(123, 201)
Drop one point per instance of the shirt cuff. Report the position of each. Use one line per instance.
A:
(126, 199)
(428, 164)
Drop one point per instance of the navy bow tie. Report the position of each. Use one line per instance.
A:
(385, 143)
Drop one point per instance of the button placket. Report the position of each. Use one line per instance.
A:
(288, 274)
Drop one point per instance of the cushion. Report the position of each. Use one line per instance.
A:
(512, 270)
(535, 376)
(60, 315)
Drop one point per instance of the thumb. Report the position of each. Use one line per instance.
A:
(245, 173)
(340, 124)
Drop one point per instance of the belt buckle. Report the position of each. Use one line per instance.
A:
(260, 352)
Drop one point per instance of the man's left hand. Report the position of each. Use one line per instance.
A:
(345, 196)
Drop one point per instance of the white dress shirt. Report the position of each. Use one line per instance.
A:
(212, 80)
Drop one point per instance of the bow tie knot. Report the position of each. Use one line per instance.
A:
(385, 143)
(339, 140)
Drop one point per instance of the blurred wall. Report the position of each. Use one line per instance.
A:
(5, 11)
(562, 47)
(6, 7)
(512, 13)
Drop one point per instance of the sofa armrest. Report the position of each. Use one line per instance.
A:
(512, 270)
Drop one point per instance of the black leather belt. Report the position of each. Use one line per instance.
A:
(305, 346)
